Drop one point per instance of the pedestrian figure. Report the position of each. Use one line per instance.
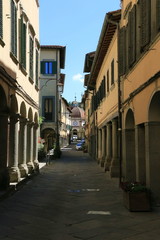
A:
(49, 156)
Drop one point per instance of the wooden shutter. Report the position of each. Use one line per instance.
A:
(145, 6)
(54, 67)
(158, 15)
(121, 52)
(42, 67)
(13, 28)
(23, 43)
(31, 58)
(112, 72)
(1, 19)
(132, 36)
(37, 69)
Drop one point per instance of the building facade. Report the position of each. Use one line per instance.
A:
(52, 60)
(65, 125)
(126, 114)
(139, 72)
(19, 103)
(102, 97)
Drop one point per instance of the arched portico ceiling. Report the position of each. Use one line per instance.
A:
(3, 100)
(30, 115)
(48, 132)
(129, 123)
(23, 111)
(154, 108)
(14, 104)
(36, 117)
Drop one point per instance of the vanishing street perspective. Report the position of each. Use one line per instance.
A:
(85, 168)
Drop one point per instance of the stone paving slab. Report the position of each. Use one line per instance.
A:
(54, 205)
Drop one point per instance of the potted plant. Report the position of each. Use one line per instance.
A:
(136, 196)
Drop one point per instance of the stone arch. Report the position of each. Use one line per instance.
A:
(36, 117)
(14, 104)
(3, 100)
(154, 108)
(152, 130)
(49, 138)
(129, 142)
(129, 123)
(23, 111)
(30, 115)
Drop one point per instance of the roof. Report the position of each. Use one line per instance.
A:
(62, 52)
(88, 61)
(109, 27)
(77, 112)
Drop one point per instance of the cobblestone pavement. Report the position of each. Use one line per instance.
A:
(72, 198)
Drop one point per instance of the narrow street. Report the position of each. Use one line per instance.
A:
(72, 198)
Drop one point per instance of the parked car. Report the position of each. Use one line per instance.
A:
(79, 146)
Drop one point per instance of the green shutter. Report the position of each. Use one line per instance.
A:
(158, 15)
(1, 19)
(23, 43)
(145, 12)
(132, 36)
(31, 58)
(42, 67)
(54, 67)
(37, 70)
(13, 28)
(122, 52)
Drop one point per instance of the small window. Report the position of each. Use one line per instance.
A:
(48, 67)
(48, 108)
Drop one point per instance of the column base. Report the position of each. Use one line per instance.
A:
(114, 168)
(30, 166)
(4, 178)
(102, 162)
(14, 174)
(107, 164)
(23, 170)
(36, 165)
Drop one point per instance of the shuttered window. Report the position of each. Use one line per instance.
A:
(122, 51)
(132, 36)
(108, 81)
(37, 68)
(145, 11)
(1, 19)
(48, 108)
(23, 43)
(13, 28)
(31, 58)
(112, 72)
(158, 15)
(48, 67)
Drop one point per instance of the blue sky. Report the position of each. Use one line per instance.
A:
(75, 24)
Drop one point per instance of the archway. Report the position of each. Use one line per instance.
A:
(49, 138)
(153, 146)
(4, 177)
(129, 150)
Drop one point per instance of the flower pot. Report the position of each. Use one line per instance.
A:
(137, 201)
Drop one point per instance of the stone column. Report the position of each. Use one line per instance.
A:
(4, 174)
(103, 147)
(99, 146)
(22, 147)
(109, 147)
(35, 147)
(13, 156)
(30, 164)
(140, 153)
(152, 153)
(114, 169)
